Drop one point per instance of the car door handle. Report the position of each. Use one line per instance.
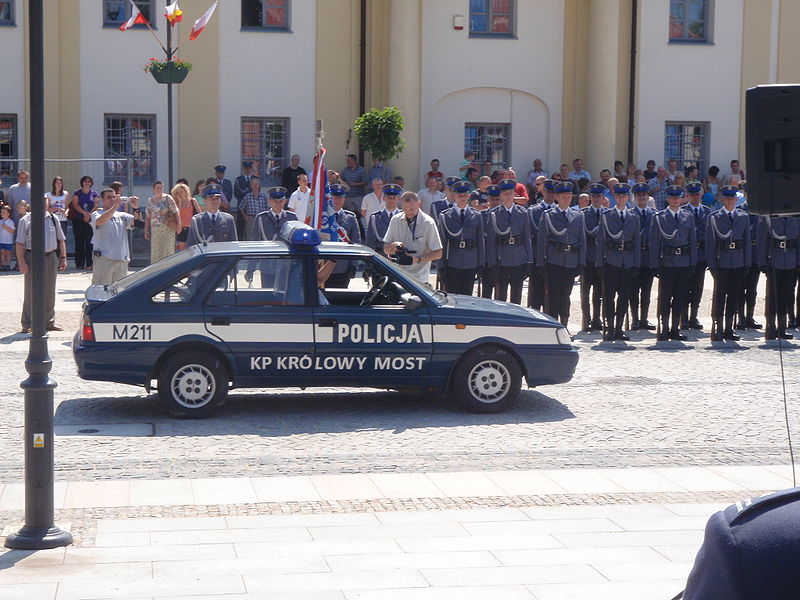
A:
(327, 322)
(220, 320)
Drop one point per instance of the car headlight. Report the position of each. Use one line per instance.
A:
(563, 337)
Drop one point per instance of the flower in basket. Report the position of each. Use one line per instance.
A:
(156, 65)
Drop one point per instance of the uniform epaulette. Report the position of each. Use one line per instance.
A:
(760, 504)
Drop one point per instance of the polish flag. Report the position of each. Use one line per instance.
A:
(201, 23)
(137, 18)
(173, 13)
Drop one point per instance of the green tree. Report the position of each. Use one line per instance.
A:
(379, 131)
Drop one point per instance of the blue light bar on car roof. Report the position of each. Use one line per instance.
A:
(296, 233)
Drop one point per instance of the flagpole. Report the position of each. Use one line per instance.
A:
(170, 147)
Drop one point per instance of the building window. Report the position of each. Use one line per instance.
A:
(687, 143)
(489, 141)
(491, 17)
(130, 139)
(689, 21)
(265, 141)
(271, 15)
(116, 12)
(7, 13)
(8, 147)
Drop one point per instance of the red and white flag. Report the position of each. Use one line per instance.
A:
(173, 13)
(137, 18)
(201, 23)
(319, 181)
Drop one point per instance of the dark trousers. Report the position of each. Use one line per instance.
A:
(513, 277)
(747, 297)
(725, 300)
(537, 290)
(338, 280)
(49, 289)
(641, 287)
(672, 285)
(591, 295)
(83, 242)
(616, 294)
(489, 281)
(559, 287)
(779, 297)
(694, 293)
(240, 231)
(461, 281)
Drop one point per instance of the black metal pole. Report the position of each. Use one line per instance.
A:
(170, 148)
(39, 531)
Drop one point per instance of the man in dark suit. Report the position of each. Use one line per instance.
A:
(240, 188)
(211, 225)
(225, 184)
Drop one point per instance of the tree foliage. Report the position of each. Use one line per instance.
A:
(379, 131)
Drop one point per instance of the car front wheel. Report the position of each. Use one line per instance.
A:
(486, 380)
(192, 385)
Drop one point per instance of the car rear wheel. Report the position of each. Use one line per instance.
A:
(192, 385)
(486, 380)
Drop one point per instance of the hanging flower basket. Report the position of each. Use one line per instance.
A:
(168, 71)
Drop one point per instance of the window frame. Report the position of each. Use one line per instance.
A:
(512, 16)
(11, 21)
(480, 155)
(144, 179)
(251, 264)
(260, 161)
(265, 4)
(708, 20)
(126, 8)
(683, 162)
(13, 158)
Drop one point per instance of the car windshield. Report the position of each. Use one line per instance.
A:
(154, 269)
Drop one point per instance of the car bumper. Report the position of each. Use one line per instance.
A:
(550, 365)
(100, 363)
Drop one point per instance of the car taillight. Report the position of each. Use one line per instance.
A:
(87, 330)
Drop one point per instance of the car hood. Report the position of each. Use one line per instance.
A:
(495, 308)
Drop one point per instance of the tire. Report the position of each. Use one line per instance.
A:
(486, 380)
(192, 384)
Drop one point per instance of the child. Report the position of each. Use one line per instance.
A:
(7, 230)
(22, 208)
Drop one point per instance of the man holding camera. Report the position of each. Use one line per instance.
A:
(412, 239)
(110, 239)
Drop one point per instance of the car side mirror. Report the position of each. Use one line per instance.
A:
(411, 301)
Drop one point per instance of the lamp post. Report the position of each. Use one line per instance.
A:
(39, 531)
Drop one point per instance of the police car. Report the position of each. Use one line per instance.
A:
(252, 315)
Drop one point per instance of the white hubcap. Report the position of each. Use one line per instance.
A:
(193, 386)
(489, 381)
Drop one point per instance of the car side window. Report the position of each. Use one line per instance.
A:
(354, 284)
(270, 281)
(183, 289)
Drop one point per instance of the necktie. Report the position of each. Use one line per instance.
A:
(622, 217)
(213, 220)
(730, 216)
(461, 215)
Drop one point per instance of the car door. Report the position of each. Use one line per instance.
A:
(259, 311)
(383, 344)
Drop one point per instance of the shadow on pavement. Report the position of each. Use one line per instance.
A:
(272, 414)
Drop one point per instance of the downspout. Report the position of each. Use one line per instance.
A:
(632, 88)
(362, 70)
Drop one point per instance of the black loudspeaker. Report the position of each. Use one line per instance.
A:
(772, 133)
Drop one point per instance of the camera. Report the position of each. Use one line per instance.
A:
(403, 256)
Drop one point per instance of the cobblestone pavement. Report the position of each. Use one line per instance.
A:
(681, 404)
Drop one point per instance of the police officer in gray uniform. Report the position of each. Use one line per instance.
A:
(777, 248)
(489, 279)
(508, 243)
(694, 294)
(673, 256)
(562, 250)
(728, 251)
(211, 225)
(745, 318)
(379, 220)
(537, 288)
(344, 270)
(751, 550)
(643, 278)
(463, 240)
(268, 224)
(442, 205)
(591, 279)
(619, 240)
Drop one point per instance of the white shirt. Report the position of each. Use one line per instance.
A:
(423, 239)
(111, 238)
(371, 204)
(298, 202)
(58, 202)
(427, 197)
(7, 237)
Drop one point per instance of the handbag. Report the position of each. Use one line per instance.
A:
(171, 220)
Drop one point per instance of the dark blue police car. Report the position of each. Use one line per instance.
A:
(252, 314)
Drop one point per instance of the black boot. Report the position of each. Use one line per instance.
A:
(716, 331)
(782, 333)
